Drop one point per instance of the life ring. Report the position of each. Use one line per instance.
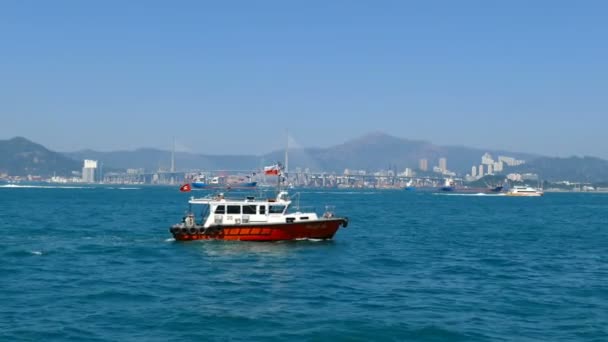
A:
(174, 230)
(193, 230)
(184, 230)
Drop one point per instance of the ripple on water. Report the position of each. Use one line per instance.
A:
(409, 267)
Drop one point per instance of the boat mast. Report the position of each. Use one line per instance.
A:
(287, 153)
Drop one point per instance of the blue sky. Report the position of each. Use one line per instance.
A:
(231, 76)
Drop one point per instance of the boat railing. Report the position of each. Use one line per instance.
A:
(302, 209)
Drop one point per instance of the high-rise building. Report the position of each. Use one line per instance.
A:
(474, 171)
(443, 164)
(487, 159)
(480, 171)
(498, 166)
(510, 161)
(88, 171)
(423, 165)
(491, 169)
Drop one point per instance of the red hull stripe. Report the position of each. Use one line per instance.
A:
(269, 232)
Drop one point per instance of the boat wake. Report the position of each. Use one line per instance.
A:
(475, 195)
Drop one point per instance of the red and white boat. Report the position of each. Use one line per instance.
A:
(255, 219)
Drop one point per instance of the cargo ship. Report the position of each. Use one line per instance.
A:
(201, 182)
(451, 187)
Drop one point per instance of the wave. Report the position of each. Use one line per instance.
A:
(346, 192)
(477, 194)
(44, 186)
(310, 239)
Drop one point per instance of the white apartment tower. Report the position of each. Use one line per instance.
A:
(443, 164)
(88, 171)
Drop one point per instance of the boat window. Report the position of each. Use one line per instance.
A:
(276, 209)
(249, 209)
(234, 209)
(262, 210)
(220, 209)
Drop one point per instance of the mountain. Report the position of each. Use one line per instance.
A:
(574, 169)
(21, 157)
(370, 152)
(153, 159)
(379, 151)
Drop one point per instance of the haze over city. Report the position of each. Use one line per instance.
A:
(231, 77)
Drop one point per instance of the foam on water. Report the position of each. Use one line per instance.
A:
(477, 194)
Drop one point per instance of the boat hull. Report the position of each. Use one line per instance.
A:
(319, 229)
(458, 190)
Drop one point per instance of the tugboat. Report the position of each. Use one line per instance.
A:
(255, 219)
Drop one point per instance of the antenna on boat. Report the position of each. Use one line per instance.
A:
(287, 153)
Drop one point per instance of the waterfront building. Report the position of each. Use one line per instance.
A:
(88, 171)
(530, 177)
(487, 159)
(474, 171)
(443, 164)
(515, 177)
(510, 161)
(480, 171)
(423, 165)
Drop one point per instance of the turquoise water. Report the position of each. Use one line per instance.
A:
(98, 264)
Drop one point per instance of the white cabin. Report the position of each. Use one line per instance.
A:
(225, 211)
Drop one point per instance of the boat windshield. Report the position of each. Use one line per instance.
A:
(276, 209)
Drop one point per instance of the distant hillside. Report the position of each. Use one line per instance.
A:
(371, 152)
(577, 169)
(379, 151)
(154, 159)
(20, 157)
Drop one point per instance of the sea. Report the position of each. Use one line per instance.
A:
(97, 263)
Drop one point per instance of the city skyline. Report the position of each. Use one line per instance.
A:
(231, 78)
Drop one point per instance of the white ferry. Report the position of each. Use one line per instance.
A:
(524, 191)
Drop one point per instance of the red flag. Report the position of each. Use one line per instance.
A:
(271, 170)
(185, 188)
